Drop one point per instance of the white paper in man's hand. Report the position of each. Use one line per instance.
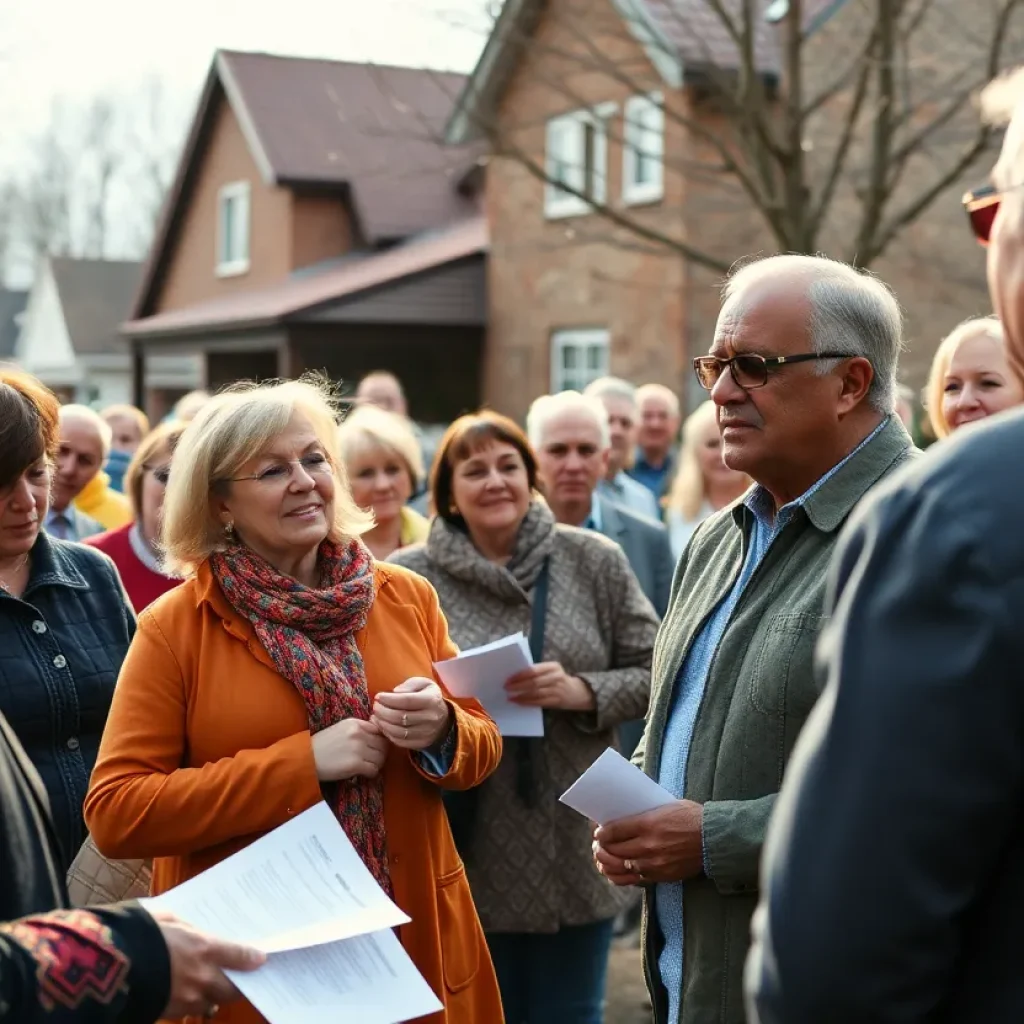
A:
(298, 886)
(366, 980)
(482, 672)
(612, 788)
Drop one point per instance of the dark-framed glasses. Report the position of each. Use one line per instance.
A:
(750, 370)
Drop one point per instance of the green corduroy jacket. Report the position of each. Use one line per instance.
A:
(760, 690)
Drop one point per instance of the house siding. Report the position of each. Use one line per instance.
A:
(549, 275)
(454, 295)
(191, 273)
(321, 229)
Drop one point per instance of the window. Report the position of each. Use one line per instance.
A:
(233, 229)
(577, 156)
(577, 358)
(643, 147)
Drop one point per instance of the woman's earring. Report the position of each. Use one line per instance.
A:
(229, 530)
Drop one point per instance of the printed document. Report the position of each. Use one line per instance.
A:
(482, 672)
(613, 788)
(302, 895)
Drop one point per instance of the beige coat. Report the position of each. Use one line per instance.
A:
(531, 869)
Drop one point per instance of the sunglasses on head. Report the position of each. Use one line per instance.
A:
(981, 206)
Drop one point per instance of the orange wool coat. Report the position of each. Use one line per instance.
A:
(207, 747)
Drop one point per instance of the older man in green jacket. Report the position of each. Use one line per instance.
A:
(803, 371)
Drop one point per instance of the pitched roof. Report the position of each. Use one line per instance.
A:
(679, 36)
(308, 290)
(372, 131)
(12, 304)
(95, 296)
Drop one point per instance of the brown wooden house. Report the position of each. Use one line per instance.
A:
(317, 222)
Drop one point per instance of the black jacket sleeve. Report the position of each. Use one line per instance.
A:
(86, 967)
(907, 781)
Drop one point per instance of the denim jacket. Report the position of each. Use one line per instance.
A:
(61, 647)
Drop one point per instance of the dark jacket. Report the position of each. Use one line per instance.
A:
(86, 968)
(759, 691)
(61, 648)
(647, 549)
(894, 869)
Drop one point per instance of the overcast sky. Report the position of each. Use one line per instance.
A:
(53, 48)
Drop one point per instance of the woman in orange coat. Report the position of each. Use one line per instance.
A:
(289, 668)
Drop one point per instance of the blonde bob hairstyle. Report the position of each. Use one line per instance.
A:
(687, 493)
(161, 439)
(369, 428)
(936, 386)
(233, 427)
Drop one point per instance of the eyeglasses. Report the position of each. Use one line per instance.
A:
(161, 474)
(750, 371)
(981, 207)
(315, 465)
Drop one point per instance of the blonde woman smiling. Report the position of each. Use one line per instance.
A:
(290, 668)
(385, 468)
(704, 483)
(970, 379)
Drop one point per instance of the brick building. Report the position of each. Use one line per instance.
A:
(347, 217)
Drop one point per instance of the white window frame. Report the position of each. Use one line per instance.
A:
(639, 134)
(557, 202)
(237, 192)
(581, 339)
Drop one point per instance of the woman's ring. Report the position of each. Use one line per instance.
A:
(630, 866)
(405, 722)
(406, 734)
(211, 1011)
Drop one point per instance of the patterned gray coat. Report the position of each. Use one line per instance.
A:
(531, 868)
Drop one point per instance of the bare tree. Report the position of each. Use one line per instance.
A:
(156, 134)
(104, 152)
(94, 177)
(845, 134)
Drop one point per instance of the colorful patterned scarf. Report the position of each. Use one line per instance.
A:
(310, 635)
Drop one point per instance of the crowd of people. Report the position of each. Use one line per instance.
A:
(801, 627)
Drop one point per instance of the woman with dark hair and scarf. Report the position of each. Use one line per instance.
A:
(501, 563)
(109, 963)
(290, 667)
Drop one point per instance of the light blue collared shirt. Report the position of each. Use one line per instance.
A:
(631, 495)
(686, 700)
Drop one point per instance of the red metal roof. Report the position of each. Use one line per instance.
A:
(305, 292)
(377, 129)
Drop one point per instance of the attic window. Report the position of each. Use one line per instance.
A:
(577, 158)
(233, 229)
(643, 149)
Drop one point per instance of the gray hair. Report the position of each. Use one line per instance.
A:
(660, 392)
(84, 414)
(1001, 97)
(548, 407)
(851, 311)
(611, 387)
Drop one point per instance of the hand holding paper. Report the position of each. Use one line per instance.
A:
(303, 896)
(548, 685)
(482, 673)
(644, 833)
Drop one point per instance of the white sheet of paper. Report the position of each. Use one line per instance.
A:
(367, 980)
(301, 885)
(482, 672)
(612, 788)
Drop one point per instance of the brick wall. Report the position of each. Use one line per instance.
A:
(548, 275)
(585, 272)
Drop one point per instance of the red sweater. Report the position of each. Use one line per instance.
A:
(142, 584)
